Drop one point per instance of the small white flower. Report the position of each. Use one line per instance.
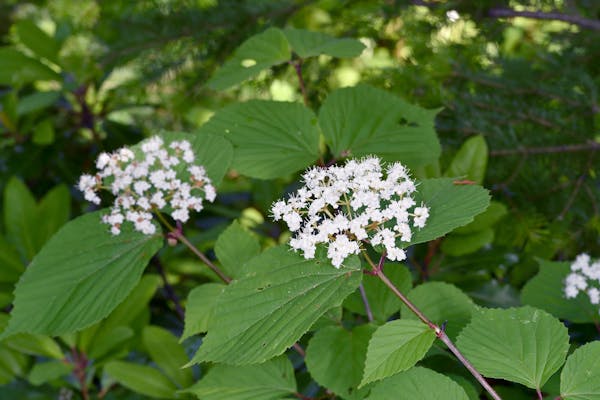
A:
(344, 207)
(147, 183)
(584, 277)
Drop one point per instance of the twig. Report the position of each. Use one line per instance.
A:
(576, 189)
(299, 350)
(555, 16)
(79, 366)
(298, 68)
(440, 335)
(170, 292)
(569, 148)
(363, 295)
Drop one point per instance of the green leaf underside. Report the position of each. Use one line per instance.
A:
(393, 129)
(470, 161)
(271, 139)
(234, 247)
(309, 44)
(418, 383)
(383, 302)
(450, 206)
(272, 380)
(580, 378)
(522, 345)
(395, 347)
(441, 302)
(200, 307)
(79, 277)
(335, 358)
(141, 378)
(167, 354)
(255, 54)
(546, 291)
(279, 299)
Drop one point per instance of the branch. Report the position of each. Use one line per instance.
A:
(169, 291)
(556, 16)
(569, 148)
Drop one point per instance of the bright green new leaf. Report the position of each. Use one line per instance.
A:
(418, 383)
(270, 138)
(456, 244)
(363, 120)
(18, 69)
(580, 378)
(450, 206)
(33, 344)
(255, 54)
(48, 371)
(20, 211)
(441, 302)
(470, 161)
(141, 379)
(485, 220)
(395, 347)
(167, 354)
(546, 291)
(37, 40)
(272, 380)
(200, 307)
(309, 44)
(43, 132)
(335, 358)
(268, 310)
(234, 247)
(79, 277)
(382, 300)
(522, 345)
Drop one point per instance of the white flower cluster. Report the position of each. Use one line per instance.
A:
(161, 179)
(346, 206)
(584, 277)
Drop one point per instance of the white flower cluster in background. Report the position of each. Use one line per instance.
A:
(160, 179)
(584, 277)
(346, 206)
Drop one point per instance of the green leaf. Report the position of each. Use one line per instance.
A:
(212, 151)
(460, 244)
(485, 220)
(199, 308)
(168, 354)
(105, 342)
(38, 345)
(20, 212)
(450, 206)
(268, 310)
(52, 213)
(12, 363)
(580, 378)
(309, 44)
(381, 299)
(335, 358)
(234, 247)
(11, 266)
(36, 101)
(255, 54)
(363, 120)
(546, 291)
(48, 371)
(43, 132)
(79, 277)
(37, 40)
(17, 69)
(395, 347)
(522, 345)
(441, 302)
(272, 380)
(270, 139)
(418, 384)
(471, 160)
(141, 379)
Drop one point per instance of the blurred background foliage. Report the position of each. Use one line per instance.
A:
(78, 78)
